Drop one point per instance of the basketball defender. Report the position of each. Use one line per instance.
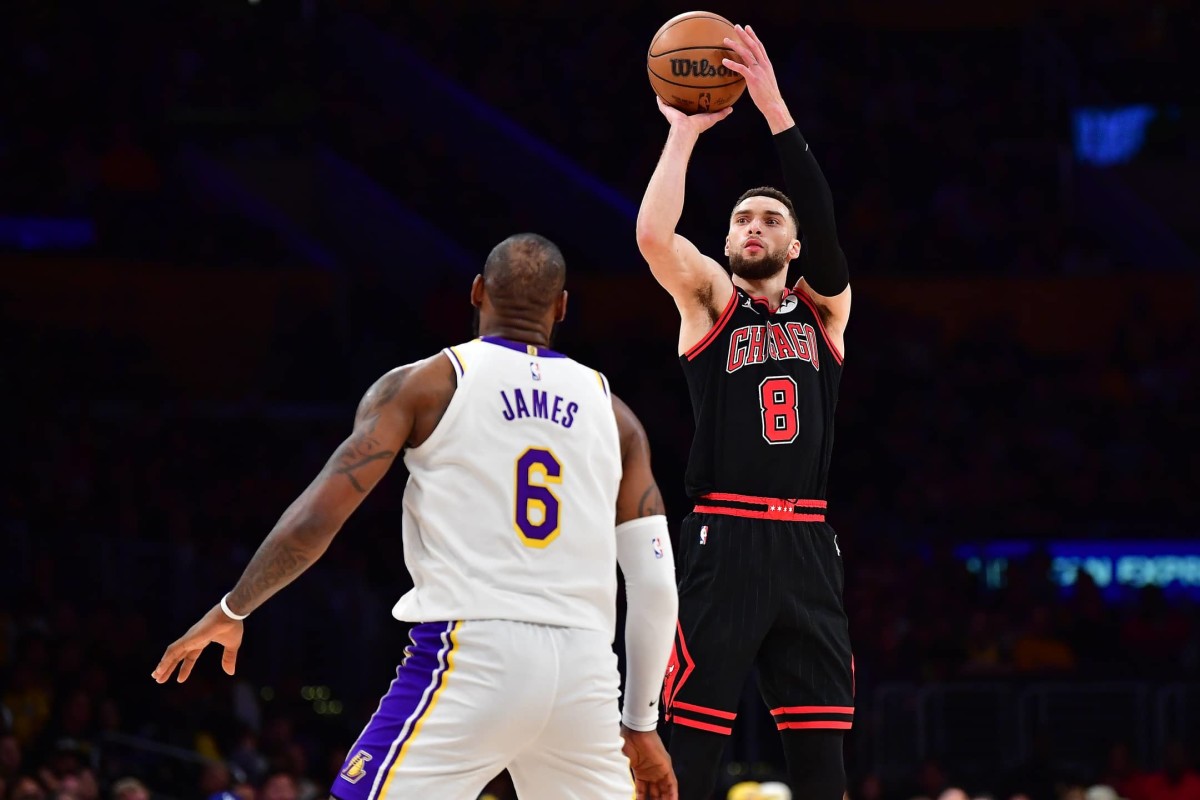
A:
(760, 569)
(529, 482)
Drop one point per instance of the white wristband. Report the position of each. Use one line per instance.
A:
(229, 613)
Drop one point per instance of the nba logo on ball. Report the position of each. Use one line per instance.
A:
(658, 550)
(704, 535)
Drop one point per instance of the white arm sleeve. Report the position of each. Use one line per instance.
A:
(648, 564)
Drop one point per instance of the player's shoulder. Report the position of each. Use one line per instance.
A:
(428, 378)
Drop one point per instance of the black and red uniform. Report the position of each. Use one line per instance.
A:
(760, 570)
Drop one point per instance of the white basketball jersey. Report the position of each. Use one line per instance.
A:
(509, 511)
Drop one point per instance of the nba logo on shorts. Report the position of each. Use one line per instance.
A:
(704, 534)
(658, 551)
(535, 370)
(357, 768)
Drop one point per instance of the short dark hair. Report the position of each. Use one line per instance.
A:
(527, 269)
(774, 194)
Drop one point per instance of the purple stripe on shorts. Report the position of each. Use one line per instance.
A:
(417, 679)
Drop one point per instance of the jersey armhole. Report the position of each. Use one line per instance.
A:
(456, 361)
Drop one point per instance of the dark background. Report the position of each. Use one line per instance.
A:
(220, 222)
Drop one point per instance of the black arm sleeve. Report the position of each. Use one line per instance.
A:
(822, 261)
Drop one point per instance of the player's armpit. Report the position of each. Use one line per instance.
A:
(694, 281)
(834, 311)
(638, 495)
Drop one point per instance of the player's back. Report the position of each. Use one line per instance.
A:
(509, 511)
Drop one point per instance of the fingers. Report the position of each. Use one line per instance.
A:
(735, 66)
(164, 669)
(167, 664)
(229, 660)
(744, 53)
(189, 661)
(754, 43)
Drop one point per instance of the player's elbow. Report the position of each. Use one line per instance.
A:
(655, 595)
(654, 240)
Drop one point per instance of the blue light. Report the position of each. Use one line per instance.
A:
(1105, 136)
(46, 233)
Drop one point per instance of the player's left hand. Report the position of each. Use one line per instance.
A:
(755, 67)
(651, 765)
(215, 626)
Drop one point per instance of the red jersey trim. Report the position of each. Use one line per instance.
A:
(776, 508)
(704, 726)
(769, 501)
(812, 710)
(709, 712)
(782, 516)
(830, 725)
(837, 355)
(716, 329)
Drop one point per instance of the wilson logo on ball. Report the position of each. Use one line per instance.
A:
(685, 68)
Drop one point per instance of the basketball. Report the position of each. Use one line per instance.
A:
(684, 63)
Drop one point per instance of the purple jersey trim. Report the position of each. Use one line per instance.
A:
(522, 347)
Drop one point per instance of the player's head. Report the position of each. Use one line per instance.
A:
(763, 234)
(521, 286)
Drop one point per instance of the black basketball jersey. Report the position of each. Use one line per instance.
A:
(764, 387)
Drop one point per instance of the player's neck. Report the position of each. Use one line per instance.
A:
(517, 331)
(771, 289)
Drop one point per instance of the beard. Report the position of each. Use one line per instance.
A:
(766, 266)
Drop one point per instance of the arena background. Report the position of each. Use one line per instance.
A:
(220, 221)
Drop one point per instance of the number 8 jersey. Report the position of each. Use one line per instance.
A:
(510, 507)
(764, 388)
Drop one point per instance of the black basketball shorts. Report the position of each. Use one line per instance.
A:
(760, 584)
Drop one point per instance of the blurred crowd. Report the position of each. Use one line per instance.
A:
(942, 148)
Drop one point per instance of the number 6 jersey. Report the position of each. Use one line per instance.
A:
(764, 388)
(509, 511)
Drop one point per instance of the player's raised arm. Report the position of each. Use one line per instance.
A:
(402, 404)
(690, 277)
(825, 274)
(648, 564)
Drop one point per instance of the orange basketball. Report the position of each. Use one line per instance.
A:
(685, 66)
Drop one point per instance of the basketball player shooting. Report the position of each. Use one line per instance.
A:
(760, 569)
(528, 483)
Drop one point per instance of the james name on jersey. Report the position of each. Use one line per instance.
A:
(538, 406)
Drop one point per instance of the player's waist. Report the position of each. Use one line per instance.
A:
(784, 509)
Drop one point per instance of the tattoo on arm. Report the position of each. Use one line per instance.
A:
(276, 563)
(363, 447)
(359, 450)
(651, 503)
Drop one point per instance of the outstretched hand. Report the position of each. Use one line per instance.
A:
(756, 68)
(215, 626)
(696, 123)
(651, 765)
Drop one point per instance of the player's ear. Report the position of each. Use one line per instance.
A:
(794, 250)
(477, 291)
(560, 309)
(727, 247)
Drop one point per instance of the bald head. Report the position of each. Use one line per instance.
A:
(525, 271)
